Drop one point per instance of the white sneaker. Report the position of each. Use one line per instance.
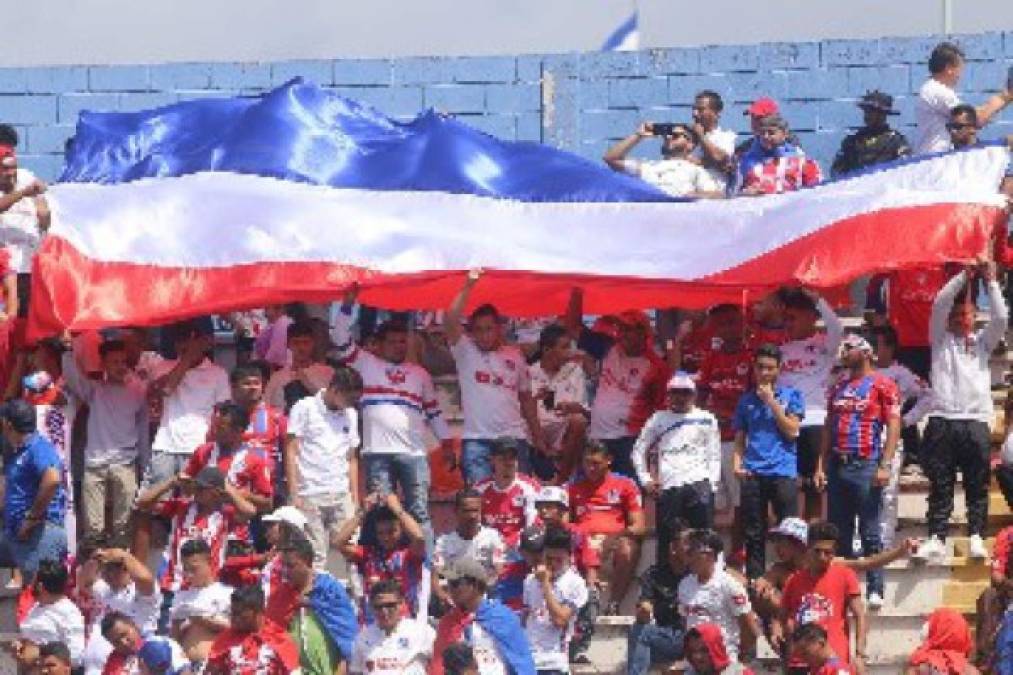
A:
(976, 547)
(932, 550)
(874, 601)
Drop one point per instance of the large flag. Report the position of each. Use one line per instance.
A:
(625, 38)
(213, 205)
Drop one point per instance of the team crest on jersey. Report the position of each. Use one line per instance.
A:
(396, 376)
(402, 642)
(612, 496)
(742, 369)
(814, 608)
(518, 500)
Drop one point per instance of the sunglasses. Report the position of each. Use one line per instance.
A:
(385, 606)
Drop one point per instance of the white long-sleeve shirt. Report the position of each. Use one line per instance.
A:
(398, 399)
(807, 363)
(961, 377)
(688, 445)
(911, 387)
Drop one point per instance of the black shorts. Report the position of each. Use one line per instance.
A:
(808, 444)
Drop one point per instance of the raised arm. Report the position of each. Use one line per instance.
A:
(452, 319)
(146, 500)
(341, 331)
(832, 322)
(942, 305)
(30, 191)
(143, 579)
(993, 106)
(573, 319)
(616, 155)
(998, 319)
(245, 508)
(76, 383)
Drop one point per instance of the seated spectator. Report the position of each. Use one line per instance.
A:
(469, 539)
(113, 580)
(394, 643)
(937, 97)
(159, 655)
(207, 516)
(606, 508)
(459, 659)
(875, 142)
(716, 146)
(946, 647)
(813, 647)
(200, 610)
(54, 659)
(657, 636)
(303, 376)
(706, 653)
(560, 388)
(251, 645)
(315, 609)
(775, 165)
(321, 459)
(271, 344)
(687, 443)
(398, 554)
(553, 594)
(675, 173)
(492, 630)
(266, 431)
(823, 592)
(54, 617)
(709, 594)
(963, 127)
(117, 435)
(496, 395)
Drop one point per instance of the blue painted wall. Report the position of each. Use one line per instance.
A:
(580, 102)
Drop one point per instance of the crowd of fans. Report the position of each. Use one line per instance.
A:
(287, 503)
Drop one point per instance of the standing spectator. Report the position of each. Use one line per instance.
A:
(398, 404)
(767, 421)
(875, 142)
(190, 387)
(315, 609)
(606, 508)
(303, 376)
(492, 630)
(398, 554)
(200, 609)
(251, 645)
(675, 173)
(117, 435)
(394, 644)
(131, 652)
(859, 441)
(266, 430)
(321, 465)
(553, 594)
(687, 443)
(271, 344)
(709, 594)
(938, 96)
(34, 495)
(813, 646)
(946, 646)
(54, 617)
(495, 387)
(963, 126)
(706, 653)
(822, 592)
(657, 636)
(717, 145)
(957, 436)
(560, 387)
(809, 359)
(469, 539)
(774, 164)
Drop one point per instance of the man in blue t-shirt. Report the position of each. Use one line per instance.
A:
(34, 501)
(766, 423)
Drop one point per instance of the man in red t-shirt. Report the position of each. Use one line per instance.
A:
(606, 507)
(812, 646)
(822, 592)
(252, 646)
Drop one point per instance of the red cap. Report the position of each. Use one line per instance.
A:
(762, 107)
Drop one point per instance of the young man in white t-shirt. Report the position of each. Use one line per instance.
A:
(717, 145)
(394, 644)
(675, 173)
(200, 611)
(469, 539)
(711, 595)
(553, 594)
(495, 387)
(321, 465)
(938, 96)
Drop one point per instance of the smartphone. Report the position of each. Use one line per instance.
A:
(662, 128)
(550, 400)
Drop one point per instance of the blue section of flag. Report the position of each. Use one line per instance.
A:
(300, 132)
(625, 37)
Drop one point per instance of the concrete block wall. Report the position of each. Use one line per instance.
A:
(580, 102)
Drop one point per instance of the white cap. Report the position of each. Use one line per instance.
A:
(681, 380)
(552, 494)
(287, 514)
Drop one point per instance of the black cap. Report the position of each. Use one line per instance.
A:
(532, 539)
(211, 477)
(505, 445)
(877, 100)
(21, 415)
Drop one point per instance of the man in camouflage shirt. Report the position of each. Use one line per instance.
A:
(874, 143)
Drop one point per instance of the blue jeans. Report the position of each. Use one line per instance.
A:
(650, 644)
(385, 472)
(475, 462)
(851, 494)
(46, 542)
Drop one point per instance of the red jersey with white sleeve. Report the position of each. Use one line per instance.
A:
(188, 523)
(726, 377)
(269, 651)
(620, 381)
(490, 384)
(602, 508)
(509, 510)
(245, 468)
